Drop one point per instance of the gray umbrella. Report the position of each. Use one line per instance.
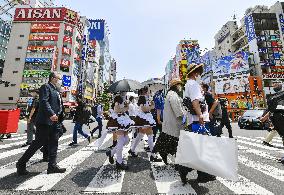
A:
(125, 85)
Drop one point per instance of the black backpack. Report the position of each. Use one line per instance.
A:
(275, 100)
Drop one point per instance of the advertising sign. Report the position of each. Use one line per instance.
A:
(43, 38)
(65, 63)
(250, 31)
(281, 21)
(96, 29)
(36, 73)
(66, 51)
(38, 60)
(47, 49)
(46, 14)
(273, 76)
(66, 81)
(67, 39)
(231, 73)
(45, 27)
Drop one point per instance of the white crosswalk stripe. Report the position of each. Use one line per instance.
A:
(165, 178)
(44, 182)
(21, 150)
(258, 141)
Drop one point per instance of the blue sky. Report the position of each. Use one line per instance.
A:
(145, 33)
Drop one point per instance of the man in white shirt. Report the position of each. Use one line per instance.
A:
(198, 114)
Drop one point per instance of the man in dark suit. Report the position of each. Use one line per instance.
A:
(48, 124)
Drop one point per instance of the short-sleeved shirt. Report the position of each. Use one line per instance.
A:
(194, 92)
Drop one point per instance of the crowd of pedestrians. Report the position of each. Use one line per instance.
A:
(160, 118)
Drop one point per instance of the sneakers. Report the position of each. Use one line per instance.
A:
(267, 144)
(72, 144)
(21, 169)
(110, 158)
(89, 139)
(132, 154)
(147, 149)
(155, 159)
(121, 166)
(55, 169)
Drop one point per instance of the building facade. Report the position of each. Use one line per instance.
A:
(42, 40)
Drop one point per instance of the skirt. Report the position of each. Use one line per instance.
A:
(145, 119)
(166, 144)
(119, 122)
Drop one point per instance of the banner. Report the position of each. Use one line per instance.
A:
(96, 29)
(250, 31)
(43, 38)
(36, 73)
(65, 63)
(66, 51)
(67, 39)
(281, 21)
(47, 27)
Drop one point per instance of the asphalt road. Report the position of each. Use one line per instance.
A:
(88, 169)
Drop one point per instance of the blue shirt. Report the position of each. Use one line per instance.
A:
(159, 102)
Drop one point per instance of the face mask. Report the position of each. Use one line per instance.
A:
(198, 79)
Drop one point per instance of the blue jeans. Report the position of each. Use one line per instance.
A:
(99, 127)
(78, 129)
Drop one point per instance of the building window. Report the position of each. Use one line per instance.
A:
(20, 47)
(22, 35)
(11, 98)
(14, 72)
(18, 59)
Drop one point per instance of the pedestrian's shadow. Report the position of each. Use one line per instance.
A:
(82, 179)
(279, 147)
(197, 188)
(12, 181)
(138, 164)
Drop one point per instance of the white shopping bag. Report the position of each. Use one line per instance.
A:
(214, 155)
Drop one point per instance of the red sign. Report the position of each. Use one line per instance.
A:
(43, 38)
(41, 48)
(45, 27)
(67, 39)
(39, 14)
(46, 14)
(66, 51)
(69, 28)
(65, 63)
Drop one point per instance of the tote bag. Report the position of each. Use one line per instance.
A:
(214, 155)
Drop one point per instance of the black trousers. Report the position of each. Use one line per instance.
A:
(48, 136)
(228, 126)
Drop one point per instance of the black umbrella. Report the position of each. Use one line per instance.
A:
(125, 85)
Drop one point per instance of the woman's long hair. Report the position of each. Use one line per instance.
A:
(117, 99)
(141, 100)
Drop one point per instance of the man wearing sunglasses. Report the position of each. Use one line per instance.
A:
(48, 124)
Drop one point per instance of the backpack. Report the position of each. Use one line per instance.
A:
(218, 111)
(275, 100)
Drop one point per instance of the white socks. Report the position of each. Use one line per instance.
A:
(150, 142)
(136, 141)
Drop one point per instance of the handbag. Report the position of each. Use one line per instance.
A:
(213, 155)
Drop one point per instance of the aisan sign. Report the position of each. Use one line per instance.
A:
(46, 14)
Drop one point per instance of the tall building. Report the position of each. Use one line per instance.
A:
(42, 40)
(113, 71)
(6, 22)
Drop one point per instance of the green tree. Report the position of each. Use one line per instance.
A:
(105, 98)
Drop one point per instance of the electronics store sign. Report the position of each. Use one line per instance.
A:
(250, 31)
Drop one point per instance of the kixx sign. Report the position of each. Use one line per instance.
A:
(46, 14)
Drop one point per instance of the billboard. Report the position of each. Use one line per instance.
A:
(44, 49)
(96, 29)
(231, 73)
(47, 27)
(66, 81)
(38, 60)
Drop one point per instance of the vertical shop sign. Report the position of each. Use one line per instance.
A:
(250, 31)
(96, 29)
(281, 20)
(66, 81)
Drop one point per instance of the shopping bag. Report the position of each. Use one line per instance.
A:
(201, 129)
(214, 155)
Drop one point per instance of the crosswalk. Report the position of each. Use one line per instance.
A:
(88, 170)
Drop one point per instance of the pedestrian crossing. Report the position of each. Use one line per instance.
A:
(89, 171)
